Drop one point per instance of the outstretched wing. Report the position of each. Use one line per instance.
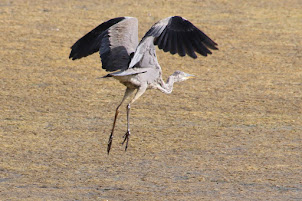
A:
(115, 40)
(175, 35)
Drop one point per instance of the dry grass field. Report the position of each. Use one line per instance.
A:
(232, 133)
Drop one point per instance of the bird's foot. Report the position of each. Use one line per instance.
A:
(126, 139)
(109, 143)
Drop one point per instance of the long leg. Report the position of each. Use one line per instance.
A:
(127, 135)
(139, 92)
(128, 92)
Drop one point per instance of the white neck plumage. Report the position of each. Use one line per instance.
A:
(167, 87)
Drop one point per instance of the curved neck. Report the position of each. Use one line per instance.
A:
(167, 87)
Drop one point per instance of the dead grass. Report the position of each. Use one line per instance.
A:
(233, 133)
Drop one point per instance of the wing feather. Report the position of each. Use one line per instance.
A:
(180, 46)
(165, 42)
(161, 41)
(91, 42)
(173, 41)
(175, 35)
(188, 45)
(115, 40)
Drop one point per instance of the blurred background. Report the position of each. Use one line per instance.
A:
(232, 133)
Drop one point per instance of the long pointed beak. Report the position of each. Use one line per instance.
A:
(188, 76)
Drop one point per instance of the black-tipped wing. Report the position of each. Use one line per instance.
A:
(175, 35)
(115, 40)
(182, 37)
(91, 42)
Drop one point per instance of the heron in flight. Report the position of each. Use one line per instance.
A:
(134, 63)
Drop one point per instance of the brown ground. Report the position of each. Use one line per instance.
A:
(233, 133)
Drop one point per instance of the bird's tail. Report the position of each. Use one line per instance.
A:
(108, 75)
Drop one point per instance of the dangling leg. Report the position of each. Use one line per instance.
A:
(127, 135)
(128, 92)
(139, 92)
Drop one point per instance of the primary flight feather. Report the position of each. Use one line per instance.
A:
(135, 64)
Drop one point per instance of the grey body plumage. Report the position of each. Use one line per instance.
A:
(135, 64)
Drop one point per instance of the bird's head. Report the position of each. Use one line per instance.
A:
(180, 76)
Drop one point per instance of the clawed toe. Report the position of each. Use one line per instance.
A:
(126, 139)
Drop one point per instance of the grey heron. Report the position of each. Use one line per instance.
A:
(134, 63)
